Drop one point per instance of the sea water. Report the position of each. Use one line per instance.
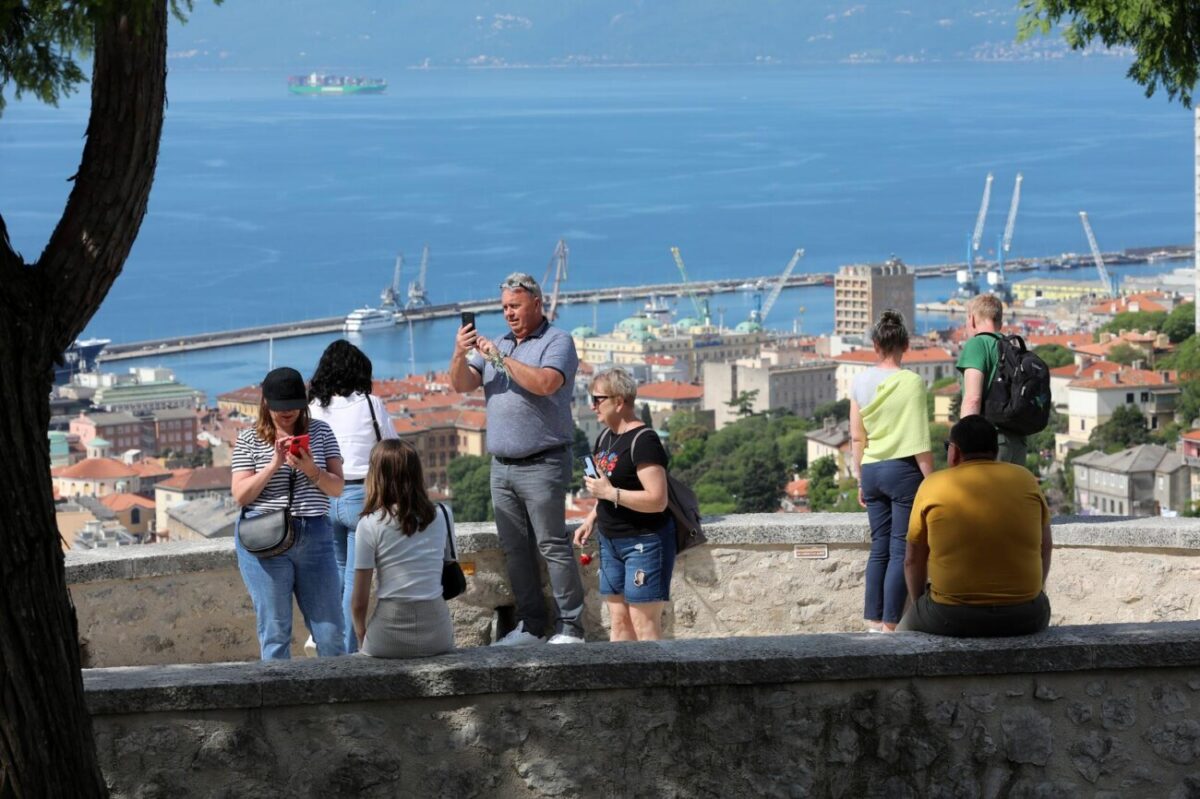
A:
(268, 207)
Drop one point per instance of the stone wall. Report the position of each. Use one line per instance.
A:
(1105, 711)
(185, 603)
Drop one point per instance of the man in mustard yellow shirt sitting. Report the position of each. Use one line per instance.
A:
(979, 534)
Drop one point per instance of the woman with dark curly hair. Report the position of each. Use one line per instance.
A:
(340, 395)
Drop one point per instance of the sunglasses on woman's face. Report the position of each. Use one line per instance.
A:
(599, 398)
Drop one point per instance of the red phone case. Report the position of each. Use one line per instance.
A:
(298, 443)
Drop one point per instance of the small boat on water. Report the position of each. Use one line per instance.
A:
(364, 320)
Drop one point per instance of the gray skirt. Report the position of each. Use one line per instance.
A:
(402, 628)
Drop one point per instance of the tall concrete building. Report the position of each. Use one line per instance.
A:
(861, 292)
(799, 387)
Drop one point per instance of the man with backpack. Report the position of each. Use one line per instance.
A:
(1002, 380)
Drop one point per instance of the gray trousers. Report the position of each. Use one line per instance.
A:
(529, 500)
(976, 621)
(1012, 448)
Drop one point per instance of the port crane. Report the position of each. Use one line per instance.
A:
(967, 285)
(416, 290)
(760, 315)
(557, 265)
(1096, 256)
(701, 312)
(997, 282)
(390, 296)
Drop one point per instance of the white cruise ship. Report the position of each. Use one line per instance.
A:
(363, 320)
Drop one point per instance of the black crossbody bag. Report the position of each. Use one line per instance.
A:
(272, 533)
(454, 581)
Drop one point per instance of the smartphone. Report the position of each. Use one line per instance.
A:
(589, 466)
(298, 443)
(468, 318)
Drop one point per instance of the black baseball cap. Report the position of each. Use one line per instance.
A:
(284, 390)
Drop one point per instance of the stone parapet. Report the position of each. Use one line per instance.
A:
(1104, 710)
(764, 574)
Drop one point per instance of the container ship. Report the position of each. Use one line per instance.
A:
(317, 83)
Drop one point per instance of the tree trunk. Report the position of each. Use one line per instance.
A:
(46, 746)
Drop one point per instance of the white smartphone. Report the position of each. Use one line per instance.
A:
(589, 466)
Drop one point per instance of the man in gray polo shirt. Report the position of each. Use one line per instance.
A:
(529, 433)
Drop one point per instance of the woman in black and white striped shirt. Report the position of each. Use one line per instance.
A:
(262, 470)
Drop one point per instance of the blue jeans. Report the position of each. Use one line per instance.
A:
(343, 515)
(638, 567)
(888, 488)
(308, 571)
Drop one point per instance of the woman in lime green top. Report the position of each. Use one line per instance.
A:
(889, 430)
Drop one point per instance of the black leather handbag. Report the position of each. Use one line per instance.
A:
(454, 582)
(271, 533)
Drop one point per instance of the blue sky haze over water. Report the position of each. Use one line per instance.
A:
(268, 207)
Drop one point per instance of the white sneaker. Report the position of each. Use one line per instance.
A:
(518, 637)
(310, 647)
(563, 638)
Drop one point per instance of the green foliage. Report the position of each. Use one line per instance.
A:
(1124, 354)
(1161, 33)
(471, 486)
(822, 484)
(744, 402)
(1044, 441)
(1167, 435)
(839, 410)
(1135, 320)
(1125, 428)
(1181, 322)
(645, 415)
(714, 500)
(1054, 355)
(938, 435)
(761, 482)
(40, 41)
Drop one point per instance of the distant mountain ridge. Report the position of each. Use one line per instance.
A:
(386, 34)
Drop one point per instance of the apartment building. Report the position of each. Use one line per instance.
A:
(440, 436)
(1092, 400)
(800, 387)
(122, 431)
(639, 338)
(861, 292)
(95, 477)
(833, 440)
(1141, 481)
(188, 485)
(931, 363)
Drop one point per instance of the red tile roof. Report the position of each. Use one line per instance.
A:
(98, 469)
(670, 391)
(209, 478)
(1127, 378)
(149, 467)
(120, 502)
(1068, 340)
(923, 355)
(1073, 370)
(797, 489)
(1145, 302)
(248, 394)
(1192, 435)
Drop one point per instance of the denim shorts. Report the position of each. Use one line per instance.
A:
(640, 566)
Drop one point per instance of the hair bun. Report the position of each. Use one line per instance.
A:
(892, 317)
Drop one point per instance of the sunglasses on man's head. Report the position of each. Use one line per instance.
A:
(509, 285)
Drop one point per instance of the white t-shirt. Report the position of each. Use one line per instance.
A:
(350, 419)
(410, 566)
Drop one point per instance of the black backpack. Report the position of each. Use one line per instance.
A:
(1018, 399)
